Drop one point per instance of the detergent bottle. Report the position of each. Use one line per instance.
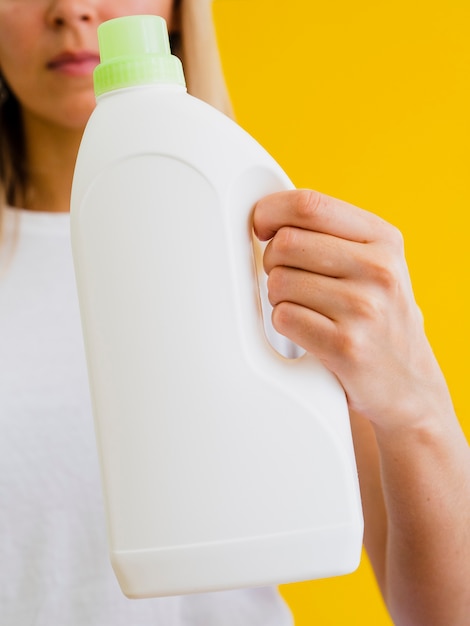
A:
(224, 464)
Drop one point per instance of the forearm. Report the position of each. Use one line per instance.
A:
(373, 505)
(425, 474)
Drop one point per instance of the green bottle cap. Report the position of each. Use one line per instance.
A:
(135, 50)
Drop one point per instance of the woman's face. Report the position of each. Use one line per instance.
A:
(49, 48)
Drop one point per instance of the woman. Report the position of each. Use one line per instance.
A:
(54, 563)
(340, 288)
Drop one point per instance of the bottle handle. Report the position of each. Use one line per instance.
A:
(247, 253)
(284, 346)
(300, 373)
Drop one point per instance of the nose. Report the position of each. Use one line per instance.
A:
(69, 12)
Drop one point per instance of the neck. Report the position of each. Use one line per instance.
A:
(51, 154)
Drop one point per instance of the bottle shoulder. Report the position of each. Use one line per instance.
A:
(173, 124)
(159, 117)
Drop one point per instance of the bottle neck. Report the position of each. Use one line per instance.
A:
(161, 87)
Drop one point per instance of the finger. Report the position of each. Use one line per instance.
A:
(309, 329)
(314, 211)
(316, 252)
(336, 299)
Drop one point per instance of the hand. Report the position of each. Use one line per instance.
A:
(340, 288)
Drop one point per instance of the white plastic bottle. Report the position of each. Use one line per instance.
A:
(224, 465)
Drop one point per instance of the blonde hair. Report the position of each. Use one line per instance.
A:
(194, 42)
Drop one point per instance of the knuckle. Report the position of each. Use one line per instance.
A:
(395, 237)
(275, 283)
(282, 316)
(352, 345)
(385, 275)
(385, 269)
(392, 236)
(283, 242)
(346, 343)
(368, 307)
(310, 203)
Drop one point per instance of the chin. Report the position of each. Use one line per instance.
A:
(76, 115)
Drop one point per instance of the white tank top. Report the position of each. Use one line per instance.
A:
(54, 567)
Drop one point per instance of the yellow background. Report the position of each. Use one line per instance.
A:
(369, 101)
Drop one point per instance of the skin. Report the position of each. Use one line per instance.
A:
(340, 288)
(57, 99)
(33, 33)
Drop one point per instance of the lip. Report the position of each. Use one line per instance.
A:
(71, 63)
